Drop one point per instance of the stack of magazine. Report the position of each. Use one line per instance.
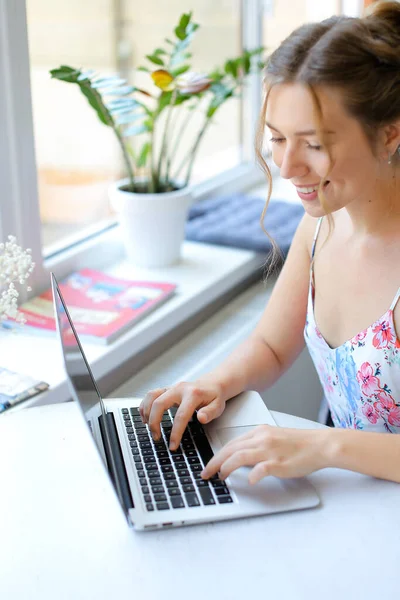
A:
(102, 307)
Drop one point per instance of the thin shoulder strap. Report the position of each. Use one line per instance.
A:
(316, 236)
(395, 300)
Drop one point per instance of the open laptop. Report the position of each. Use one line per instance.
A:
(159, 488)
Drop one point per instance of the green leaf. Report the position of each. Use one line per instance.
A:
(142, 158)
(180, 70)
(159, 51)
(155, 59)
(164, 100)
(185, 20)
(180, 33)
(145, 69)
(170, 42)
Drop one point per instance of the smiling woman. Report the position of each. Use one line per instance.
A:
(332, 105)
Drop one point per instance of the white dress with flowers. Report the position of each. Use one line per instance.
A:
(360, 378)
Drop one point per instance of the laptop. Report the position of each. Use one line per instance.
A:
(158, 488)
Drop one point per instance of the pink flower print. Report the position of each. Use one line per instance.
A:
(370, 413)
(365, 377)
(385, 401)
(359, 337)
(394, 416)
(383, 335)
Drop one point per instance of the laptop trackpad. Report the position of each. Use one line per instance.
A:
(270, 493)
(227, 434)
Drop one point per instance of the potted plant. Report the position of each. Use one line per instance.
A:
(153, 201)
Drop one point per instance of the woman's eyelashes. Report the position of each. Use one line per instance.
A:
(275, 140)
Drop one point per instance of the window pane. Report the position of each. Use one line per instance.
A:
(77, 156)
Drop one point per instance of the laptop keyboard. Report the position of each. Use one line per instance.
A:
(172, 479)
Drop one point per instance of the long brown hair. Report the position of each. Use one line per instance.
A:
(358, 56)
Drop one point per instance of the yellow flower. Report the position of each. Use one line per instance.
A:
(163, 79)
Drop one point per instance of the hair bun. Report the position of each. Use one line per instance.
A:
(387, 12)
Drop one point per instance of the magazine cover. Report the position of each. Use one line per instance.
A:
(101, 306)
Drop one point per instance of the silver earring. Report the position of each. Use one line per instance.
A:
(390, 159)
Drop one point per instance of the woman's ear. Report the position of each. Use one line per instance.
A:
(391, 138)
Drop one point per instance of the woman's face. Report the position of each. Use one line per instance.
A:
(300, 156)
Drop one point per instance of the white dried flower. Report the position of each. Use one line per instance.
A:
(15, 266)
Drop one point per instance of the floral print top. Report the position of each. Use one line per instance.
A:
(360, 378)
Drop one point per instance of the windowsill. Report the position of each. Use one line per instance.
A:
(205, 273)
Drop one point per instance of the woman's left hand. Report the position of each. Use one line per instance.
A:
(274, 451)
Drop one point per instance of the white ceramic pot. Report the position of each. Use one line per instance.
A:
(152, 225)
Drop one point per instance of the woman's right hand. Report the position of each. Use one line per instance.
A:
(203, 396)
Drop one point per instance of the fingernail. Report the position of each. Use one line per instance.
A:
(205, 418)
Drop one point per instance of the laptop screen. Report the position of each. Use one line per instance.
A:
(85, 391)
(83, 384)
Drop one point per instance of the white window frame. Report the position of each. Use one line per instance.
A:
(19, 206)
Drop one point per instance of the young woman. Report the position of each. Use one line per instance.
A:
(332, 107)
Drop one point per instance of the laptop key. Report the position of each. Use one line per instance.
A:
(177, 502)
(188, 488)
(178, 458)
(129, 429)
(133, 444)
(149, 507)
(160, 497)
(172, 484)
(140, 427)
(183, 472)
(141, 474)
(174, 492)
(193, 460)
(145, 489)
(166, 468)
(157, 489)
(149, 459)
(138, 465)
(224, 500)
(143, 482)
(137, 457)
(162, 453)
(125, 411)
(196, 468)
(206, 496)
(192, 499)
(147, 498)
(155, 481)
(147, 452)
(137, 418)
(126, 417)
(221, 491)
(145, 444)
(135, 451)
(201, 483)
(186, 480)
(169, 476)
(132, 436)
(141, 437)
(152, 467)
(164, 461)
(162, 506)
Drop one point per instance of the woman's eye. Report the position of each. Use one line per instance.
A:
(275, 140)
(314, 147)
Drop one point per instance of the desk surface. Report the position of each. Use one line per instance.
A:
(64, 537)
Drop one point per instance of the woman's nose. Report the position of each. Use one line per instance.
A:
(292, 165)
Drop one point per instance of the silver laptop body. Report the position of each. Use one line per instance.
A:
(154, 487)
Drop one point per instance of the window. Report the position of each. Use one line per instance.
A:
(77, 157)
(56, 160)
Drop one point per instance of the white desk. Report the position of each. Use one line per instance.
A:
(63, 536)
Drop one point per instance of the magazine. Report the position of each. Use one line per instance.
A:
(102, 307)
(15, 388)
